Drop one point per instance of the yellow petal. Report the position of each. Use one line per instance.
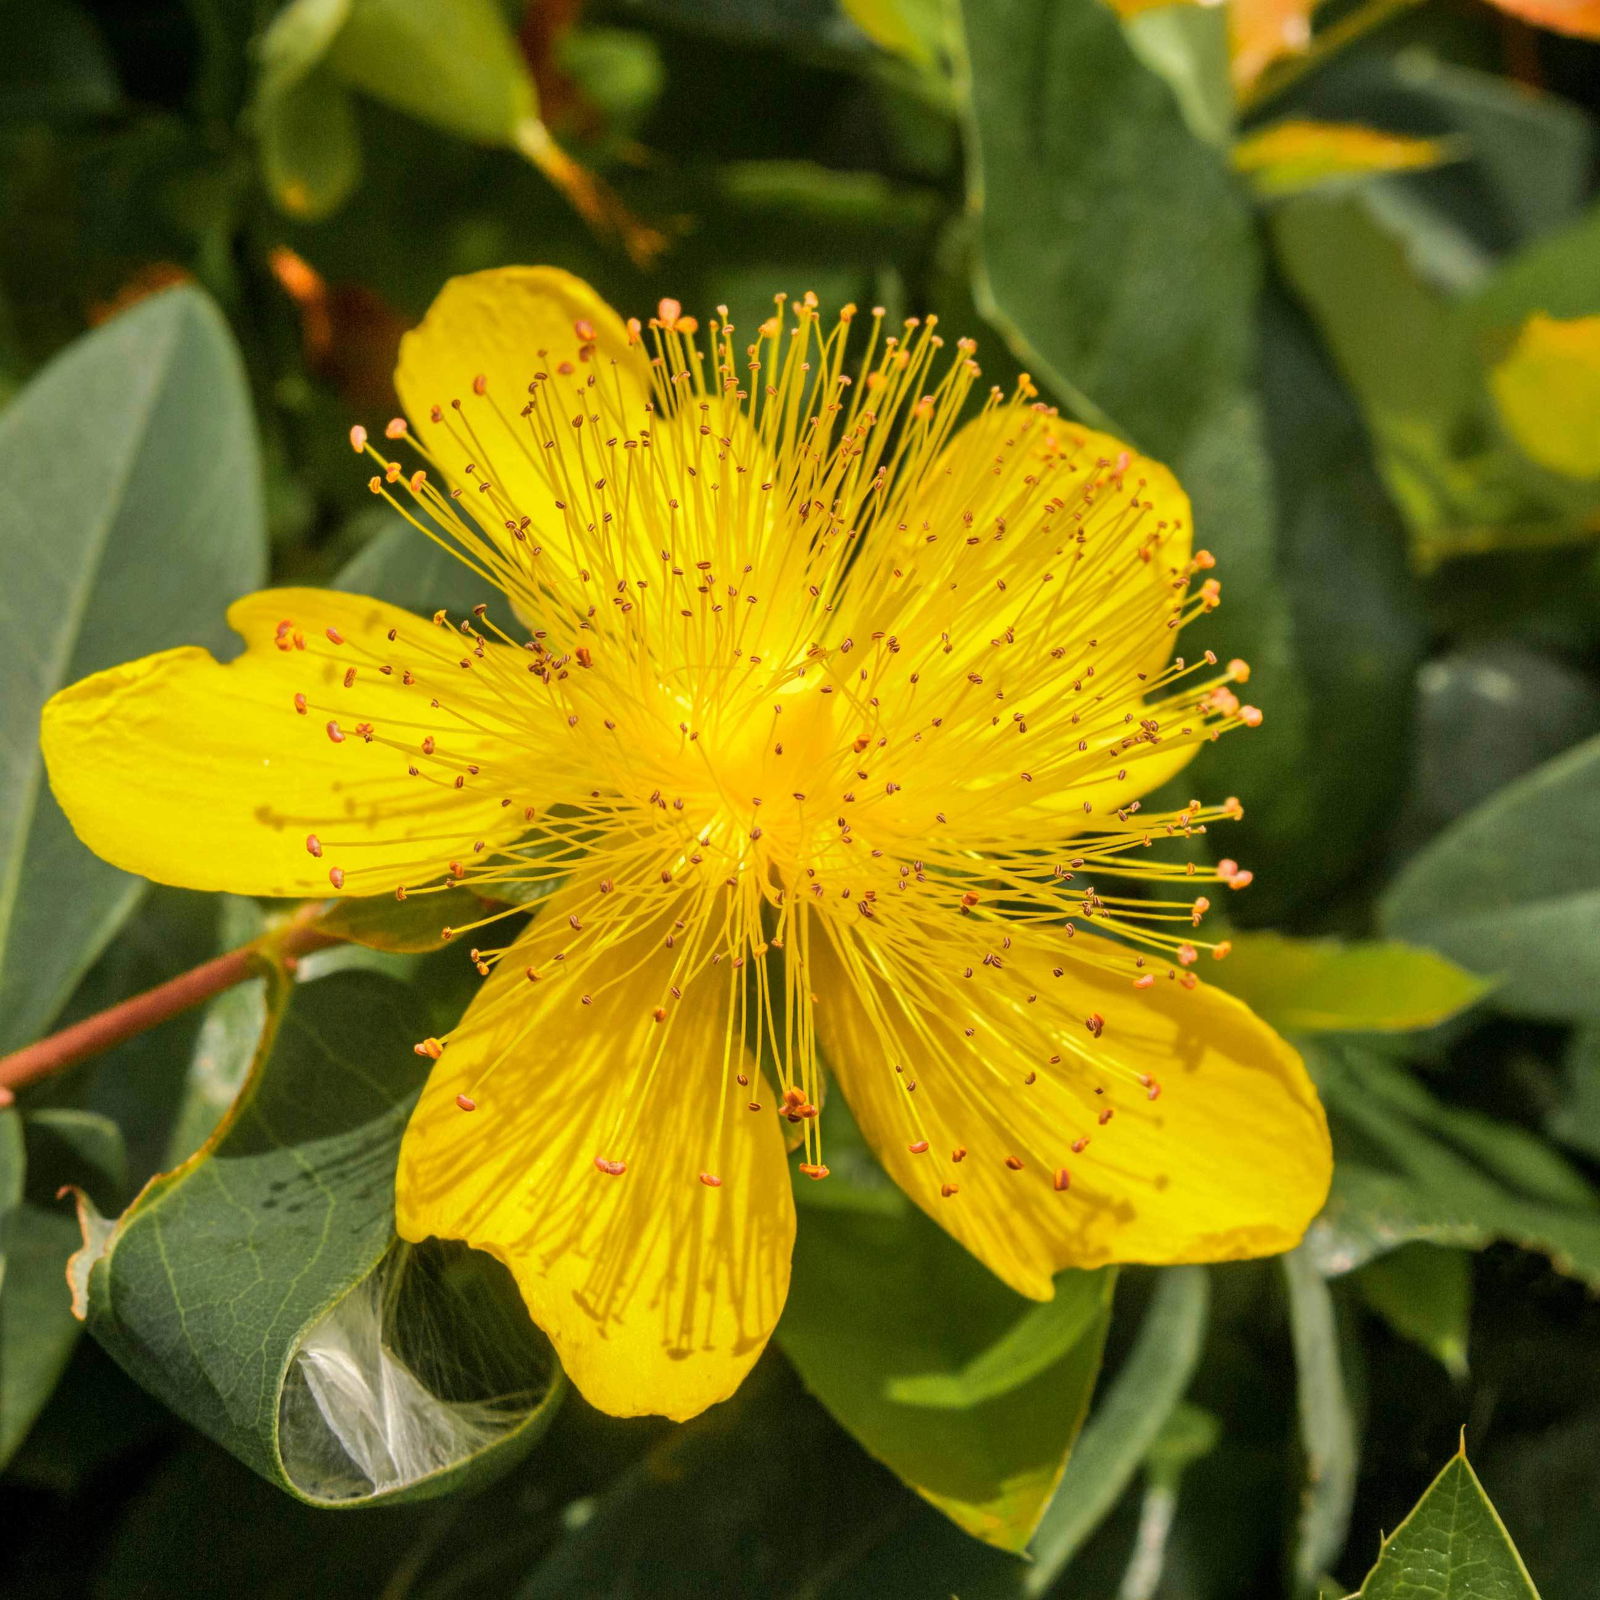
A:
(469, 365)
(1025, 615)
(206, 775)
(657, 1290)
(1231, 1160)
(1548, 392)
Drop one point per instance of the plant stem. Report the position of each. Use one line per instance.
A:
(98, 1033)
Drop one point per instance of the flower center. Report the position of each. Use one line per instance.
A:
(809, 668)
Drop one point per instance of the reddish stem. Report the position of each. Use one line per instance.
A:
(145, 1011)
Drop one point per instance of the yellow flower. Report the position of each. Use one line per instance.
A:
(828, 740)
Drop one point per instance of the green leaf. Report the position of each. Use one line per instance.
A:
(1188, 46)
(310, 145)
(760, 1496)
(912, 29)
(1138, 311)
(1529, 155)
(1453, 1546)
(1512, 890)
(1328, 986)
(1287, 496)
(296, 40)
(258, 1288)
(1397, 342)
(1576, 1121)
(403, 566)
(1424, 1293)
(132, 516)
(970, 1393)
(1327, 1426)
(451, 63)
(1419, 363)
(1126, 1423)
(1408, 1167)
(418, 923)
(1558, 275)
(57, 65)
(13, 1166)
(1139, 316)
(37, 1329)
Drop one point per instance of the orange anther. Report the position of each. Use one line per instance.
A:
(480, 383)
(1063, 1180)
(301, 704)
(358, 438)
(711, 1180)
(313, 844)
(336, 877)
(918, 1148)
(660, 1013)
(335, 733)
(949, 1189)
(1014, 1162)
(431, 1048)
(465, 1103)
(395, 428)
(813, 1172)
(959, 1153)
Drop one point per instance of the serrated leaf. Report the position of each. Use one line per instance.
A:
(1512, 890)
(258, 1289)
(1328, 986)
(132, 516)
(970, 1393)
(1452, 1546)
